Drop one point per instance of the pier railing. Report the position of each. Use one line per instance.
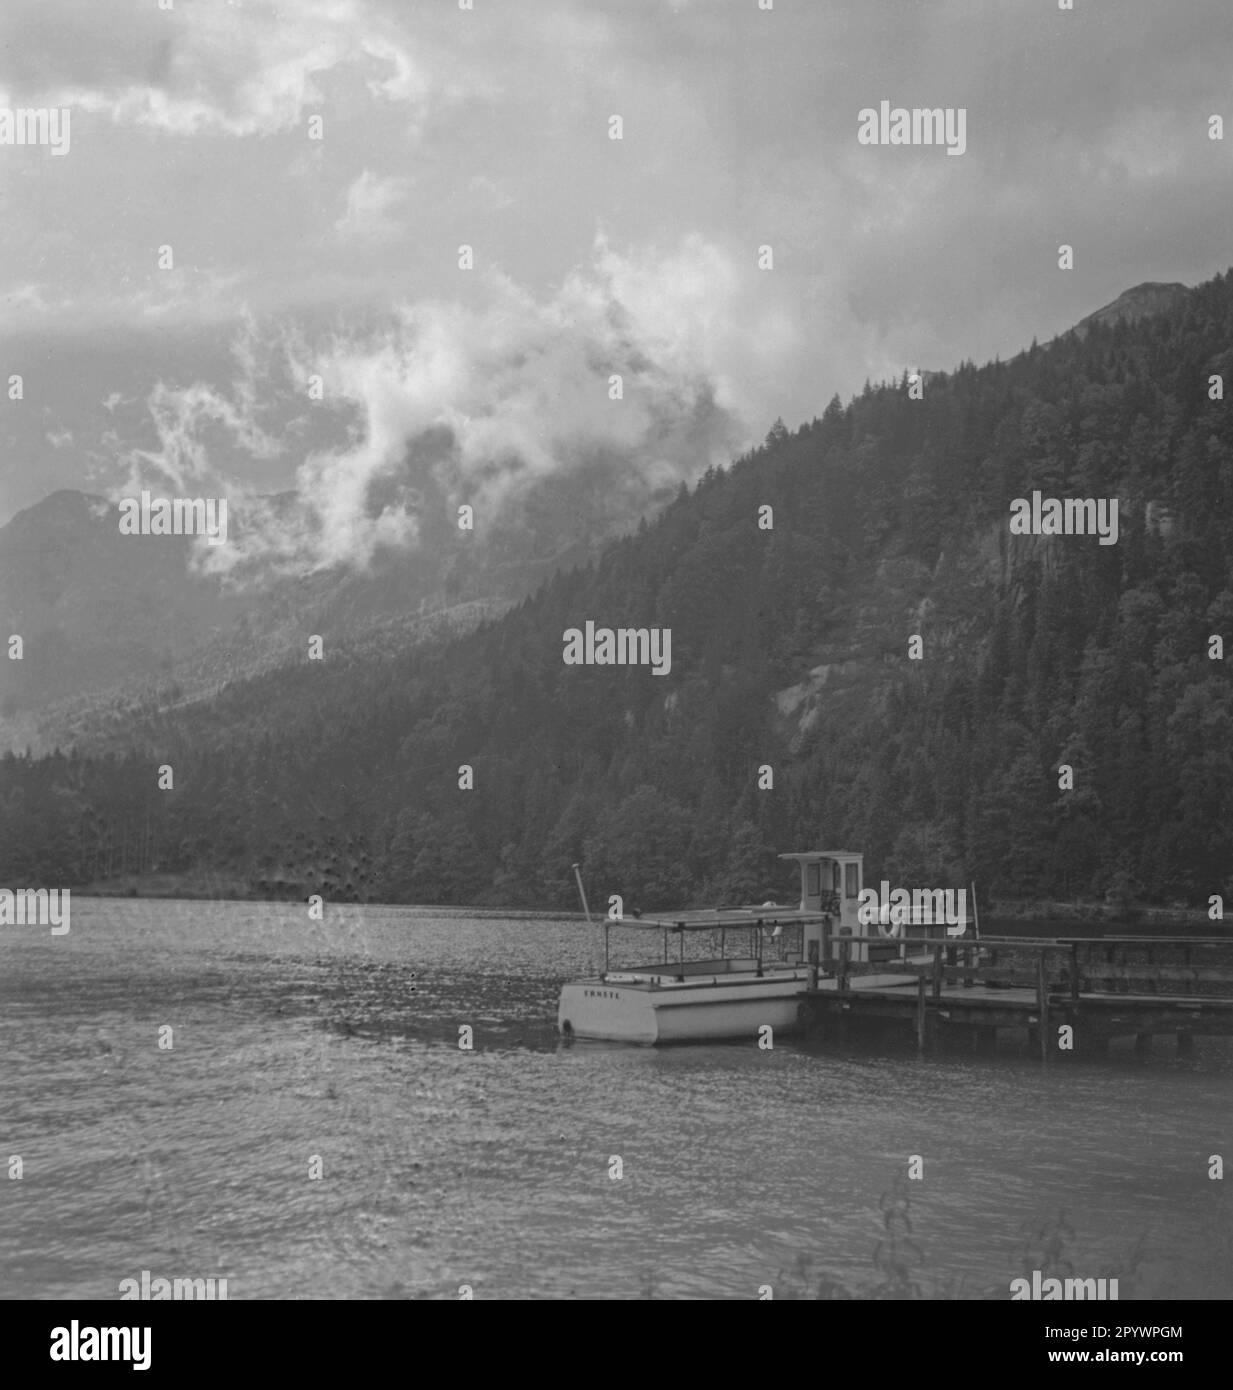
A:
(1148, 973)
(1072, 963)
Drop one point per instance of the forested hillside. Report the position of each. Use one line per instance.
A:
(790, 649)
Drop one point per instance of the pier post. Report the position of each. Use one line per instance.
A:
(845, 948)
(1042, 1006)
(937, 974)
(920, 1013)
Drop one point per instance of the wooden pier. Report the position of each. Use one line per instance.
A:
(1070, 994)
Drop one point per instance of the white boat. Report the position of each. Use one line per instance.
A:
(789, 950)
(722, 998)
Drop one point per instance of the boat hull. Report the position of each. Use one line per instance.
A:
(639, 1012)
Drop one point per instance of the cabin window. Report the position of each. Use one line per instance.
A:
(852, 884)
(814, 880)
(834, 877)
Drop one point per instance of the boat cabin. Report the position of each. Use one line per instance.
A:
(831, 883)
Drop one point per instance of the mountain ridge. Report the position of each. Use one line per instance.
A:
(112, 629)
(1144, 300)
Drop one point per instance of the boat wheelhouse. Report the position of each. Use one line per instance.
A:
(779, 954)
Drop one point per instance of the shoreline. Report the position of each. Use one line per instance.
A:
(173, 887)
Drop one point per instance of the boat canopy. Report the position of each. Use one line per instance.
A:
(810, 856)
(708, 918)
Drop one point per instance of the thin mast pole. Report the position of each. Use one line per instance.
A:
(583, 892)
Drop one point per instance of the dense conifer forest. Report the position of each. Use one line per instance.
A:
(790, 650)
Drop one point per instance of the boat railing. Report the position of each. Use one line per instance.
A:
(700, 946)
(934, 951)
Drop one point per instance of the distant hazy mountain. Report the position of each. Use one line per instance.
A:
(92, 608)
(114, 624)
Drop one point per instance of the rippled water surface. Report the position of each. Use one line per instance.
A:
(441, 1167)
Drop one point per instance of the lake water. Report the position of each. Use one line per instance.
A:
(441, 1167)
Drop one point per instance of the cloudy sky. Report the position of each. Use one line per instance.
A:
(191, 127)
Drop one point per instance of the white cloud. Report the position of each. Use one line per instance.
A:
(187, 295)
(481, 401)
(369, 202)
(240, 71)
